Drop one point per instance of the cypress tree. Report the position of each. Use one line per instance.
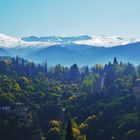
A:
(69, 134)
(115, 61)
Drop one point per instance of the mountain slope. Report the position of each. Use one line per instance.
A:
(56, 55)
(4, 52)
(67, 50)
(87, 55)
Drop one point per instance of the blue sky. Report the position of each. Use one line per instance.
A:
(70, 17)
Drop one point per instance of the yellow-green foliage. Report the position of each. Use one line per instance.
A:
(55, 123)
(89, 81)
(72, 97)
(58, 89)
(54, 134)
(90, 118)
(99, 67)
(83, 126)
(76, 132)
(83, 137)
(54, 130)
(17, 87)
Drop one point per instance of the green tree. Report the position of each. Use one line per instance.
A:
(74, 73)
(69, 133)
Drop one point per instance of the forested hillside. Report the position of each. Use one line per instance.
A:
(38, 102)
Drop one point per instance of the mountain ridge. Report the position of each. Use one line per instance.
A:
(72, 52)
(33, 41)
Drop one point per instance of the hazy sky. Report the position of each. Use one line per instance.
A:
(70, 17)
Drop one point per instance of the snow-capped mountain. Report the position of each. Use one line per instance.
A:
(7, 41)
(83, 50)
(32, 41)
(107, 41)
(99, 41)
(13, 42)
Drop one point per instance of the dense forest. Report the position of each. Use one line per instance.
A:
(39, 102)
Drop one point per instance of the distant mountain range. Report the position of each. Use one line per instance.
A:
(83, 50)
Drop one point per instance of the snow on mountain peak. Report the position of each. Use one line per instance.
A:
(107, 41)
(99, 41)
(12, 42)
(7, 40)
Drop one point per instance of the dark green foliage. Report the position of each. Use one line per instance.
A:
(69, 133)
(37, 101)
